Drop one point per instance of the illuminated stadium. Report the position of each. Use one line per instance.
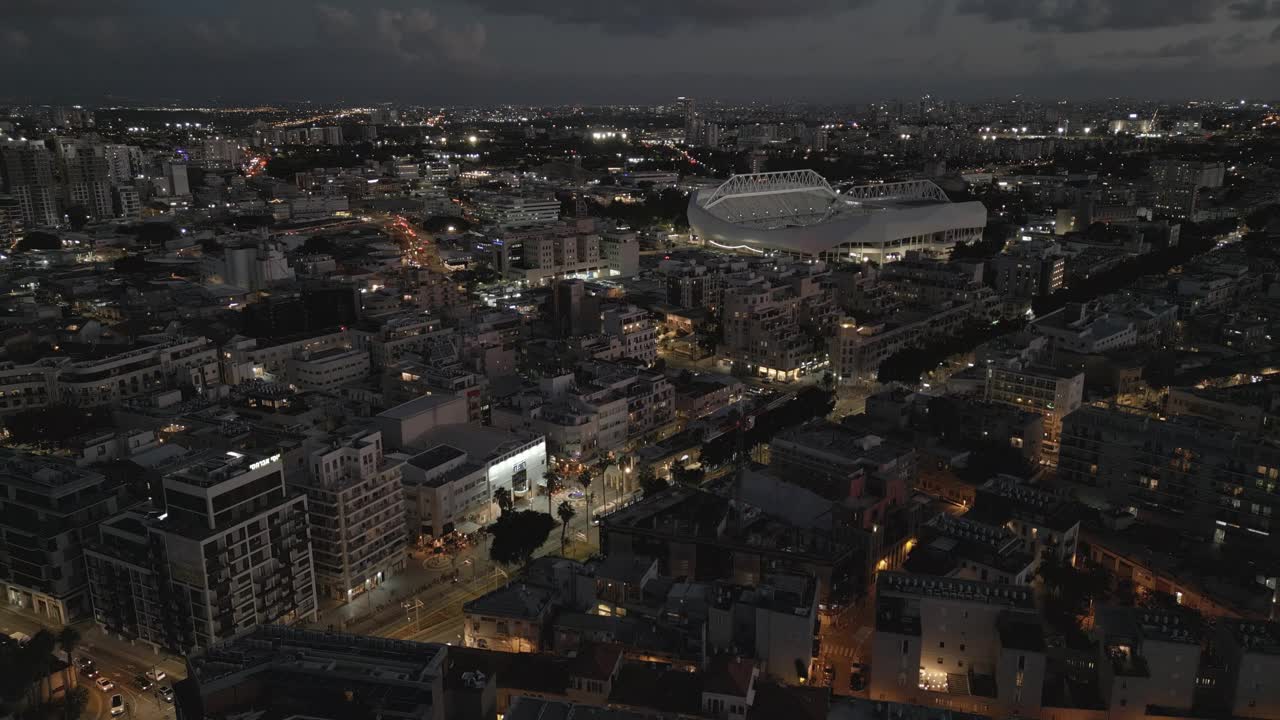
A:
(797, 212)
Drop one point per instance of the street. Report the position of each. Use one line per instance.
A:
(117, 660)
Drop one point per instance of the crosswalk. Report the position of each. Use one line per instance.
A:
(840, 651)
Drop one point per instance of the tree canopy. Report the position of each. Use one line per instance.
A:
(517, 535)
(52, 425)
(39, 240)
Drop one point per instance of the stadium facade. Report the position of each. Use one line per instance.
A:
(797, 212)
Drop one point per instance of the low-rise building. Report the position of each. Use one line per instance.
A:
(328, 369)
(317, 674)
(449, 486)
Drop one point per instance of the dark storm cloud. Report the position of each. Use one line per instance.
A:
(1083, 16)
(656, 16)
(1255, 9)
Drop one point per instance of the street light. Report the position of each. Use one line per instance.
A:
(416, 607)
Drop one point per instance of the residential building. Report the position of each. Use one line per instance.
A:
(1196, 476)
(48, 508)
(1029, 269)
(161, 362)
(1251, 651)
(1052, 393)
(357, 512)
(509, 619)
(389, 337)
(27, 172)
(328, 369)
(228, 550)
(770, 321)
(777, 621)
(635, 331)
(246, 359)
(969, 646)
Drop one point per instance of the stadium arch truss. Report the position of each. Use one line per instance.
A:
(797, 212)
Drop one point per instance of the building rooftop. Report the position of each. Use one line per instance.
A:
(896, 584)
(419, 405)
(517, 600)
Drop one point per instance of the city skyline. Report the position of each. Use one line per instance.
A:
(486, 51)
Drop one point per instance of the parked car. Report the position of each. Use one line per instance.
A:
(829, 674)
(155, 675)
(104, 684)
(117, 705)
(166, 693)
(142, 682)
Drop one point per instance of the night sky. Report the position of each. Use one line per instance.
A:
(597, 51)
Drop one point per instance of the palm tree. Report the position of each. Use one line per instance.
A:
(566, 513)
(69, 640)
(502, 496)
(584, 479)
(554, 485)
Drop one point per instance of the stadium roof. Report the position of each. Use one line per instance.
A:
(798, 211)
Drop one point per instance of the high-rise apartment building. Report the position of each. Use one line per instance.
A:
(87, 179)
(228, 551)
(47, 508)
(356, 506)
(27, 171)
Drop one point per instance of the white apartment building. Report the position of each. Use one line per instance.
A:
(328, 369)
(450, 485)
(166, 361)
(249, 359)
(356, 508)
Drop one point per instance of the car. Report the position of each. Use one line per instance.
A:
(104, 684)
(86, 667)
(142, 682)
(117, 705)
(829, 674)
(155, 675)
(166, 693)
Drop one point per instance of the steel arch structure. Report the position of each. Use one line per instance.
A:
(770, 183)
(897, 191)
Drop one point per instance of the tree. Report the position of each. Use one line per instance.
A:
(37, 655)
(76, 702)
(566, 513)
(39, 240)
(49, 426)
(554, 485)
(317, 245)
(69, 640)
(650, 484)
(502, 496)
(584, 479)
(517, 535)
